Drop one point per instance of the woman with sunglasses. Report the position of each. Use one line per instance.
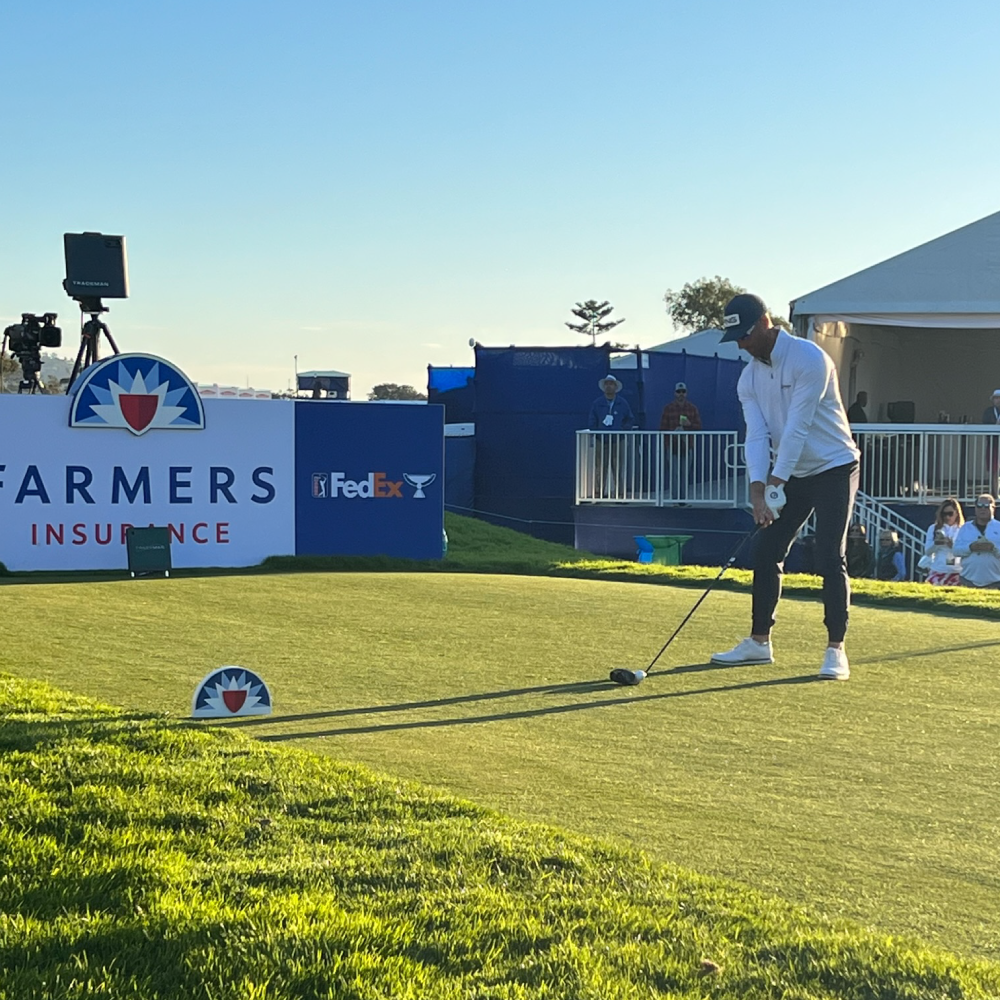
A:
(939, 560)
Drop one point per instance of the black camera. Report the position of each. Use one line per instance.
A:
(27, 338)
(33, 333)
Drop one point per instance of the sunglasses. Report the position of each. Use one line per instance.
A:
(983, 503)
(949, 513)
(681, 392)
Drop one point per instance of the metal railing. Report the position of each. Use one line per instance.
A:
(660, 468)
(926, 463)
(876, 517)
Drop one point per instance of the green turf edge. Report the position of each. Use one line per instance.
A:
(141, 857)
(478, 547)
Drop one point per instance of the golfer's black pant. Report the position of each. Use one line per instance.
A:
(831, 495)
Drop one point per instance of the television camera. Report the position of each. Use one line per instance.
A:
(26, 340)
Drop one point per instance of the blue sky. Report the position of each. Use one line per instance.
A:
(368, 185)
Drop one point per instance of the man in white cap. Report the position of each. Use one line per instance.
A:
(800, 458)
(609, 412)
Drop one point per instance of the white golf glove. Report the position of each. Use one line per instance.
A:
(774, 497)
(609, 420)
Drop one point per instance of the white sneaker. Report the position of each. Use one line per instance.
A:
(835, 666)
(746, 652)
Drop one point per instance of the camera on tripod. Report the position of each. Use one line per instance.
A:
(26, 340)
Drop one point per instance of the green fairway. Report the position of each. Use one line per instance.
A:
(874, 799)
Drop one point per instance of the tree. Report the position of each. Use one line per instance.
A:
(592, 312)
(389, 390)
(700, 305)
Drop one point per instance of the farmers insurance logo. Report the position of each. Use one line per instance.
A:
(377, 485)
(138, 392)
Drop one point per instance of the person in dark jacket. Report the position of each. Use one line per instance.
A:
(860, 557)
(856, 411)
(890, 564)
(609, 412)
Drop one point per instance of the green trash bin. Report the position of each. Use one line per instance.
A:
(667, 548)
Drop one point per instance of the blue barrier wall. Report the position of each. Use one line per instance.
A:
(369, 479)
(530, 402)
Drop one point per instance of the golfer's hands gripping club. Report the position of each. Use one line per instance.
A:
(767, 501)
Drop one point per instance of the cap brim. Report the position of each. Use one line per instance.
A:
(733, 333)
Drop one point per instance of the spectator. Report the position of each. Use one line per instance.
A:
(991, 415)
(939, 560)
(609, 412)
(890, 564)
(679, 416)
(860, 557)
(977, 544)
(856, 411)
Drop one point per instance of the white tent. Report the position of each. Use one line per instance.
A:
(703, 344)
(923, 326)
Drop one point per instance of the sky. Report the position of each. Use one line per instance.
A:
(367, 186)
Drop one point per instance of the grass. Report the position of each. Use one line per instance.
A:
(874, 800)
(143, 859)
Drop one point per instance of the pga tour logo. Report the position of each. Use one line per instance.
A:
(376, 486)
(138, 393)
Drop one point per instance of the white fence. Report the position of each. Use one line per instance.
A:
(925, 463)
(657, 468)
(909, 463)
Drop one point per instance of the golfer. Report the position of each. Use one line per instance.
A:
(800, 458)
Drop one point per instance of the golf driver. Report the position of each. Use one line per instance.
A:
(620, 675)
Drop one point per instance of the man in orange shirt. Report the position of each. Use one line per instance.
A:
(679, 415)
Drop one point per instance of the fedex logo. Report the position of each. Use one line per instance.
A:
(377, 485)
(331, 485)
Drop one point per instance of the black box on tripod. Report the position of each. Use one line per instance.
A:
(96, 267)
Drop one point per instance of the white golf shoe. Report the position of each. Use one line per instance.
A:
(744, 653)
(835, 666)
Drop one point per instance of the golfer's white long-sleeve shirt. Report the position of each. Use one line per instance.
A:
(793, 408)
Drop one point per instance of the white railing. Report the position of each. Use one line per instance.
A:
(660, 468)
(925, 463)
(876, 517)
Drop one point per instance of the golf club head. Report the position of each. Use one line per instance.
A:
(629, 677)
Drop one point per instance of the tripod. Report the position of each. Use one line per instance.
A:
(90, 338)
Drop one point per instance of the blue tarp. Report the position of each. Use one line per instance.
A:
(454, 389)
(529, 403)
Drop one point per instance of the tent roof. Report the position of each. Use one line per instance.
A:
(956, 275)
(703, 343)
(329, 374)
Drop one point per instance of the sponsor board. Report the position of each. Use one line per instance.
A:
(357, 493)
(68, 495)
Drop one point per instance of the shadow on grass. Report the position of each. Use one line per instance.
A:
(912, 654)
(580, 687)
(625, 697)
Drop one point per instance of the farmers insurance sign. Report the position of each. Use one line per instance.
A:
(142, 452)
(136, 445)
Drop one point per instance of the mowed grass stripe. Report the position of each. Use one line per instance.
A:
(873, 799)
(142, 859)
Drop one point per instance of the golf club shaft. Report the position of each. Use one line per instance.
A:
(729, 562)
